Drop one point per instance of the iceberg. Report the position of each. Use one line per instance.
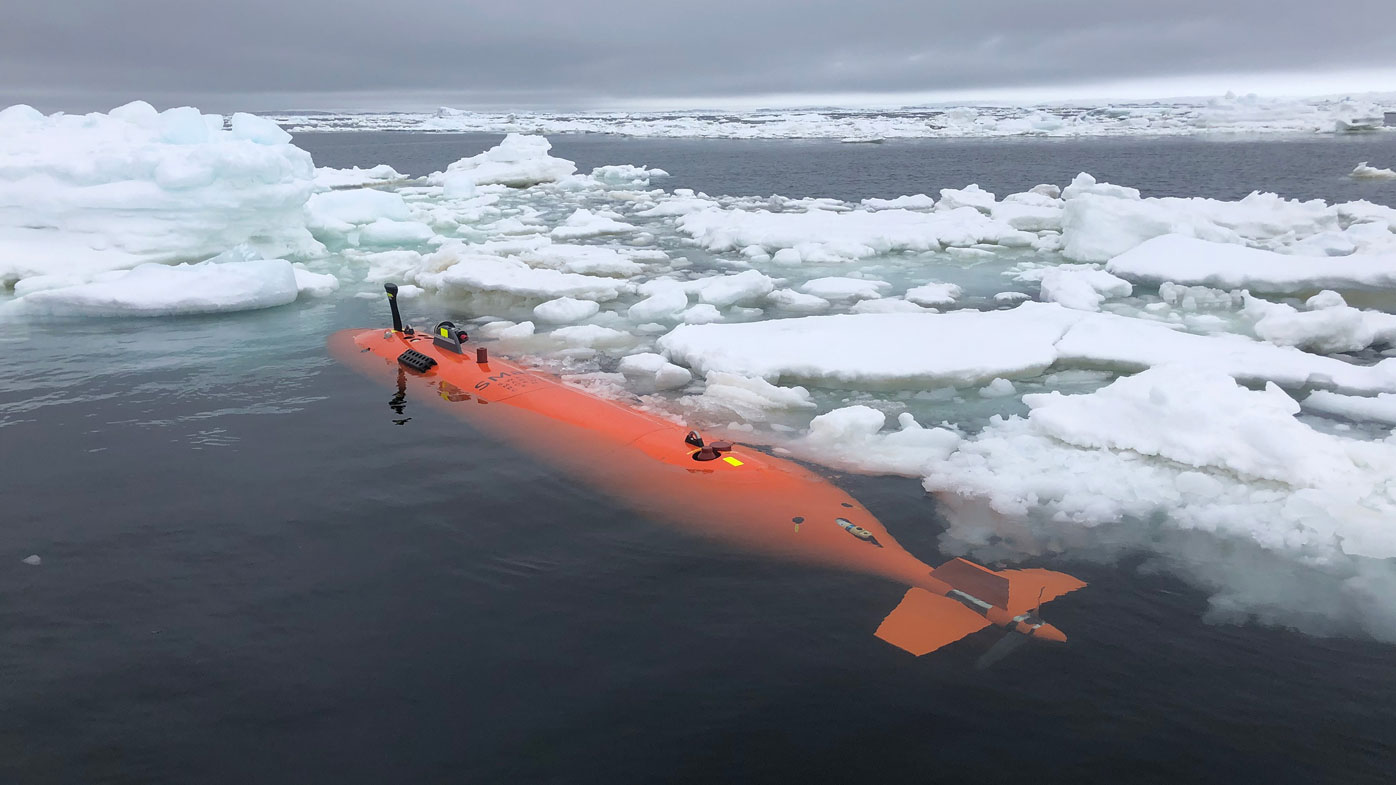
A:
(85, 194)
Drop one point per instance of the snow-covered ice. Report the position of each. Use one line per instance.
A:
(164, 290)
(1190, 261)
(84, 194)
(1363, 171)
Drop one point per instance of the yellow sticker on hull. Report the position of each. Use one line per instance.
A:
(732, 461)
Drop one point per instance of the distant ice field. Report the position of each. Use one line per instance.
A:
(1296, 167)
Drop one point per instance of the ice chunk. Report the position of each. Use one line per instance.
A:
(625, 175)
(32, 560)
(1331, 327)
(1363, 171)
(872, 351)
(1380, 408)
(970, 196)
(791, 300)
(471, 272)
(852, 438)
(594, 336)
(998, 388)
(384, 232)
(827, 236)
(322, 284)
(649, 372)
(583, 259)
(1082, 289)
(666, 301)
(565, 310)
(342, 210)
(1213, 423)
(585, 223)
(161, 290)
(934, 293)
(837, 288)
(1186, 260)
(702, 314)
(963, 348)
(518, 162)
(328, 178)
(744, 288)
(751, 399)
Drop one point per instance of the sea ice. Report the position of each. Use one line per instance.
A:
(565, 310)
(649, 372)
(164, 290)
(84, 194)
(1193, 262)
(1363, 171)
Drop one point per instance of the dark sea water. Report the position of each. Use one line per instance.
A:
(252, 575)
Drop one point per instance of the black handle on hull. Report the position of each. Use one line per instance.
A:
(391, 289)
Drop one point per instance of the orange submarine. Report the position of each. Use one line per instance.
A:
(719, 489)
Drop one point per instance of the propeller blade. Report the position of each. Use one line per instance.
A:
(1006, 645)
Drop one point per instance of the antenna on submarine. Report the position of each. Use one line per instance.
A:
(391, 289)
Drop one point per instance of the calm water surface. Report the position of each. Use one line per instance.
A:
(251, 574)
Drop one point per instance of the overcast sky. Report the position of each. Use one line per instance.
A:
(406, 54)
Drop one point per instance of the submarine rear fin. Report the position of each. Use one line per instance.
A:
(1031, 587)
(924, 622)
(975, 580)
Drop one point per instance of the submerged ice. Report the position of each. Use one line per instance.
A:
(1073, 368)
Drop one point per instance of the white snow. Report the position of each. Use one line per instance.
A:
(1190, 261)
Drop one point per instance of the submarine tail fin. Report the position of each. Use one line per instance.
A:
(924, 622)
(1031, 587)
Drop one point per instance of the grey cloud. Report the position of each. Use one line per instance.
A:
(538, 52)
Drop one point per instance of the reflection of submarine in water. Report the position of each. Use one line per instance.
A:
(713, 488)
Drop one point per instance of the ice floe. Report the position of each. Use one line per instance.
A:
(1364, 172)
(85, 194)
(165, 290)
(1190, 261)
